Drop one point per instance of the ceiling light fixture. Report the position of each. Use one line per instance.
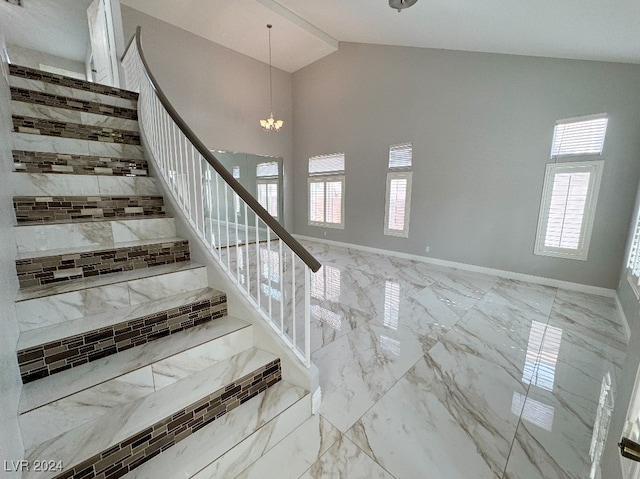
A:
(270, 124)
(401, 4)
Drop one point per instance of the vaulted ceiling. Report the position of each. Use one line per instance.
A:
(307, 30)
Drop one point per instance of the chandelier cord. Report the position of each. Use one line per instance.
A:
(270, 69)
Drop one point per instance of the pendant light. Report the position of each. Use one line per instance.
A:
(270, 124)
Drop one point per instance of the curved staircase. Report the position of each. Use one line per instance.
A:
(132, 366)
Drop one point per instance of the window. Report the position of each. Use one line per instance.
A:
(326, 190)
(569, 199)
(579, 136)
(267, 186)
(398, 196)
(633, 264)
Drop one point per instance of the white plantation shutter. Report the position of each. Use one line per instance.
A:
(326, 190)
(267, 169)
(579, 136)
(568, 209)
(316, 202)
(634, 255)
(333, 163)
(397, 207)
(268, 196)
(400, 156)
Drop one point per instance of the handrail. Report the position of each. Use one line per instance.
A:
(227, 176)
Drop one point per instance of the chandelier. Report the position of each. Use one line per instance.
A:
(270, 124)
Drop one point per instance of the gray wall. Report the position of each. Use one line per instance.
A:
(10, 384)
(481, 126)
(220, 93)
(631, 307)
(32, 59)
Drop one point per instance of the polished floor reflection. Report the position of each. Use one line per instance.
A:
(429, 371)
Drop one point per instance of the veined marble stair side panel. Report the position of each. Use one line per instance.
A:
(38, 162)
(61, 354)
(223, 339)
(45, 237)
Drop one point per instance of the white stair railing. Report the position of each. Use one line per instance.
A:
(266, 263)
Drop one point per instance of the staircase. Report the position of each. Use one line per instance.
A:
(131, 365)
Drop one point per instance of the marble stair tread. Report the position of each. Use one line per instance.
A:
(53, 419)
(95, 249)
(35, 337)
(72, 146)
(96, 436)
(22, 71)
(46, 112)
(44, 184)
(98, 281)
(72, 381)
(253, 429)
(39, 239)
(85, 95)
(92, 220)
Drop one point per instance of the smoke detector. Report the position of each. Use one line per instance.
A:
(401, 4)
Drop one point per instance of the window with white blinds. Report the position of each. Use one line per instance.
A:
(326, 164)
(579, 136)
(400, 156)
(268, 195)
(633, 264)
(398, 191)
(326, 190)
(568, 207)
(266, 170)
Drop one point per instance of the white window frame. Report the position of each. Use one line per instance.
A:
(333, 171)
(268, 181)
(325, 180)
(399, 172)
(398, 175)
(633, 263)
(581, 253)
(557, 140)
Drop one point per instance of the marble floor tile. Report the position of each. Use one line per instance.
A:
(590, 316)
(359, 367)
(299, 450)
(345, 460)
(451, 414)
(506, 380)
(553, 439)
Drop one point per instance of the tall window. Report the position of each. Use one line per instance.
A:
(267, 186)
(398, 196)
(326, 190)
(569, 199)
(570, 192)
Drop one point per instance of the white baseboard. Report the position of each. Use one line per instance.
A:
(583, 288)
(316, 400)
(625, 321)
